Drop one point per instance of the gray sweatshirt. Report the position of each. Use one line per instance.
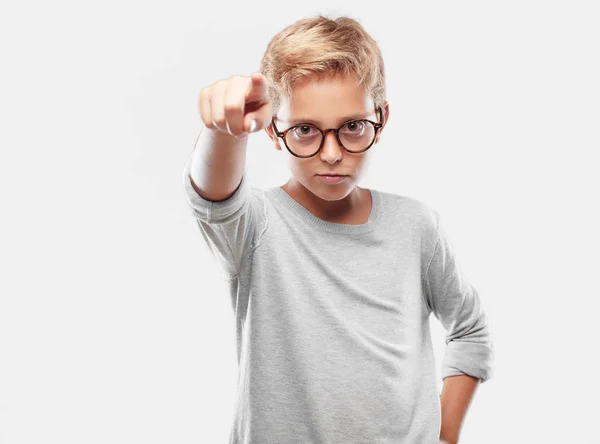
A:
(332, 320)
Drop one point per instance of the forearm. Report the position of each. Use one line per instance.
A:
(218, 163)
(457, 392)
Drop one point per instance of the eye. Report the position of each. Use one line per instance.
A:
(354, 127)
(304, 130)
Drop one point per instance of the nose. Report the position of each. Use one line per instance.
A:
(331, 150)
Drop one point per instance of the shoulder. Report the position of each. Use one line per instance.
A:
(409, 208)
(421, 219)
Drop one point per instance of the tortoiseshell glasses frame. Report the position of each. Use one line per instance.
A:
(376, 125)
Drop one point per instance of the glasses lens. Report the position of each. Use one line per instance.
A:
(304, 140)
(357, 135)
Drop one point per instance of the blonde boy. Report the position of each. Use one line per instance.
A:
(332, 285)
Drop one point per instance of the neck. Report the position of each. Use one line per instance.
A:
(343, 210)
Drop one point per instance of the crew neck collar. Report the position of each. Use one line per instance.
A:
(333, 227)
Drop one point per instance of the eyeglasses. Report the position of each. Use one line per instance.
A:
(306, 140)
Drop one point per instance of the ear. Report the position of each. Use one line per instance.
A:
(386, 115)
(271, 133)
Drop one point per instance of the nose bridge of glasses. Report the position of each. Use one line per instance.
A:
(330, 130)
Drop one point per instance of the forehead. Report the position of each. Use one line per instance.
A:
(326, 101)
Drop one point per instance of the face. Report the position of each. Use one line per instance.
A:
(326, 103)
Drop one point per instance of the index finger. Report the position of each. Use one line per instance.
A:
(258, 89)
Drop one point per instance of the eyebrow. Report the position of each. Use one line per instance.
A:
(298, 120)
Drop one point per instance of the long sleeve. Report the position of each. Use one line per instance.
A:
(232, 228)
(457, 305)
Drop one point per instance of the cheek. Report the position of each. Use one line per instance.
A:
(298, 166)
(360, 168)
(365, 161)
(294, 166)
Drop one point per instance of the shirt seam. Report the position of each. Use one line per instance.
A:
(437, 241)
(226, 239)
(254, 246)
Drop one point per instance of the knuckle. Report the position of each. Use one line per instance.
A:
(219, 121)
(203, 97)
(232, 106)
(236, 133)
(230, 131)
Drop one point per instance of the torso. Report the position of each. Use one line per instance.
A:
(358, 217)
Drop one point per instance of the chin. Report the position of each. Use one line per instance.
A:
(332, 191)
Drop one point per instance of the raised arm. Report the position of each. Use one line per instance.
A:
(230, 214)
(230, 110)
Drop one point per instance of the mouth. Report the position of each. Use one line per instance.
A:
(331, 178)
(332, 175)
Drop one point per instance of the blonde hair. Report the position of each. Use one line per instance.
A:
(323, 48)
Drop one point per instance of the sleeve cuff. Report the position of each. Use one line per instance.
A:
(471, 358)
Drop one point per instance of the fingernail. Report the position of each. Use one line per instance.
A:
(253, 126)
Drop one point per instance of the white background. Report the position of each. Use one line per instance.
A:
(114, 324)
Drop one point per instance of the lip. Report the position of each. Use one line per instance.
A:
(333, 178)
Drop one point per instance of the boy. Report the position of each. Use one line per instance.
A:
(332, 284)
